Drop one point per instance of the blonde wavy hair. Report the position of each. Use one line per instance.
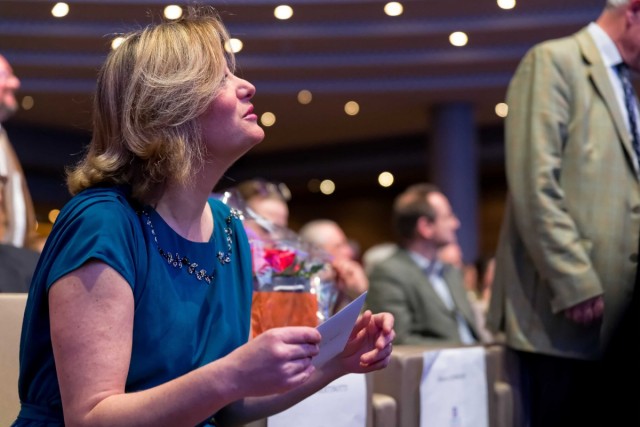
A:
(150, 92)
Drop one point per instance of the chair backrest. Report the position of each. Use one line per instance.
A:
(402, 378)
(11, 313)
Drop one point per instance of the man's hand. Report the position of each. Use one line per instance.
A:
(586, 312)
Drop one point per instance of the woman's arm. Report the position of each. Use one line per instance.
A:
(368, 349)
(92, 311)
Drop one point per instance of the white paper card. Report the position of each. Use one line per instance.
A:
(343, 403)
(453, 389)
(336, 330)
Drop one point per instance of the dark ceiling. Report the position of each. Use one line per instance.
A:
(396, 68)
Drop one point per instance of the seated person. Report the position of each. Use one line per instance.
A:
(427, 297)
(139, 309)
(351, 279)
(267, 199)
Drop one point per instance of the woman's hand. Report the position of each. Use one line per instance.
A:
(279, 361)
(369, 346)
(275, 361)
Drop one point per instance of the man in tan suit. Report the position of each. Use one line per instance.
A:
(568, 249)
(19, 241)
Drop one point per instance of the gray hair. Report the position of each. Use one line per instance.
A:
(612, 4)
(313, 231)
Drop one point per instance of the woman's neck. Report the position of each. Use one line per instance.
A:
(186, 211)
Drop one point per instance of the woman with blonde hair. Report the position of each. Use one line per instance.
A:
(139, 310)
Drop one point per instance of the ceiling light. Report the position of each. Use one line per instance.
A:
(283, 12)
(304, 97)
(115, 43)
(27, 103)
(53, 215)
(385, 179)
(393, 8)
(506, 4)
(268, 119)
(233, 45)
(172, 11)
(327, 187)
(502, 109)
(458, 38)
(351, 108)
(60, 10)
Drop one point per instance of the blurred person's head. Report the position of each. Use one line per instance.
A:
(9, 84)
(423, 219)
(620, 19)
(328, 236)
(267, 199)
(155, 122)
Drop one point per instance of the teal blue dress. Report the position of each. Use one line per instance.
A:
(181, 321)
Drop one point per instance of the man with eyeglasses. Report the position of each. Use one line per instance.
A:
(426, 296)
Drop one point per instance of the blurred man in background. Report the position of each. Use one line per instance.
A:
(426, 296)
(329, 236)
(19, 240)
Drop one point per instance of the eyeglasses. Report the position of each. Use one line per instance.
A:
(264, 188)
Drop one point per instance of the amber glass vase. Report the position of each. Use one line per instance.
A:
(289, 303)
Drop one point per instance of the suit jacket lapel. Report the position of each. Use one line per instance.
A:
(600, 77)
(422, 282)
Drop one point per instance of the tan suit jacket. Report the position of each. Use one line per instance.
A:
(8, 231)
(573, 215)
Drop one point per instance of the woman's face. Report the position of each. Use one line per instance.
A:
(229, 125)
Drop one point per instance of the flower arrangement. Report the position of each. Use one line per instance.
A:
(282, 261)
(293, 281)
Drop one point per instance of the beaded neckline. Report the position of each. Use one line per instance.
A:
(178, 261)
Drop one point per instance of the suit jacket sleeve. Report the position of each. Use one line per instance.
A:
(539, 100)
(390, 291)
(383, 296)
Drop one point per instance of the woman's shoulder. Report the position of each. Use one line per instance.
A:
(98, 208)
(102, 201)
(222, 211)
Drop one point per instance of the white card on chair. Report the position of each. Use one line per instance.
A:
(453, 389)
(343, 403)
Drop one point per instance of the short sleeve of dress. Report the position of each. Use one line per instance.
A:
(98, 224)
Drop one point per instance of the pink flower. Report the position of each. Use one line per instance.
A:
(279, 259)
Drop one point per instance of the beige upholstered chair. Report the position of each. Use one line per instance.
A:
(384, 410)
(11, 313)
(401, 380)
